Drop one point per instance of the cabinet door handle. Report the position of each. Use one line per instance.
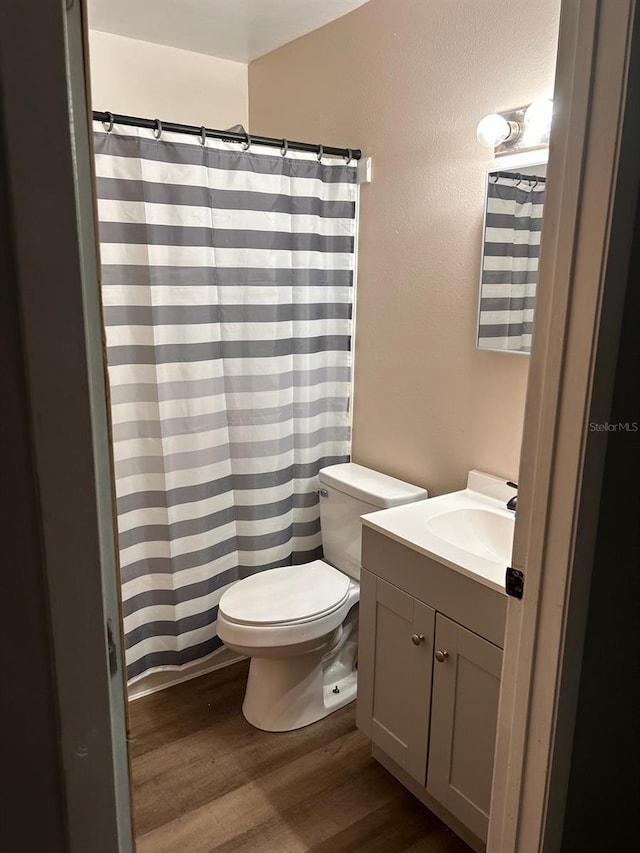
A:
(416, 639)
(441, 656)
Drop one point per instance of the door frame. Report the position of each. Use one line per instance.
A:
(48, 155)
(594, 175)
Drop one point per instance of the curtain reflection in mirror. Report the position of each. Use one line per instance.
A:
(511, 249)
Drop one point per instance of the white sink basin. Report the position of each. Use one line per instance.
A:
(470, 531)
(482, 532)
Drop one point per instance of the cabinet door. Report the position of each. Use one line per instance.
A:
(395, 662)
(464, 716)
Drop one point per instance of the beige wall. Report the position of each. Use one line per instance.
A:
(407, 81)
(156, 81)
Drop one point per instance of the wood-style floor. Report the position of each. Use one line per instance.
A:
(204, 779)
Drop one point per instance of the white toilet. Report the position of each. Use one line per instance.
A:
(298, 624)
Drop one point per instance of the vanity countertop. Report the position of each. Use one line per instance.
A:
(470, 531)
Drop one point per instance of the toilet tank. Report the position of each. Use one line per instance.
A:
(348, 491)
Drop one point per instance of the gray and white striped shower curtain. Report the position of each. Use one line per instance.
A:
(510, 262)
(227, 286)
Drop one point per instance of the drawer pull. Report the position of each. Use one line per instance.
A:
(441, 656)
(416, 639)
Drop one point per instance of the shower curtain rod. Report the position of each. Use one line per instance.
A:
(518, 176)
(227, 135)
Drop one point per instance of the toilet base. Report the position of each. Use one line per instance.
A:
(290, 693)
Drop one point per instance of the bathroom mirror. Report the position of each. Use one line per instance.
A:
(514, 204)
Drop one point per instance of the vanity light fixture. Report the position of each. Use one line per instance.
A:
(521, 129)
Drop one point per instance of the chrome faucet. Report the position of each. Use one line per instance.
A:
(512, 502)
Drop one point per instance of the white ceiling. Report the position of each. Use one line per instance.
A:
(241, 30)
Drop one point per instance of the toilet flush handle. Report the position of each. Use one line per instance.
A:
(323, 493)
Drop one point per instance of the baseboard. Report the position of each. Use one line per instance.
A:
(161, 680)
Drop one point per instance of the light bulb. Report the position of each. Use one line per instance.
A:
(492, 130)
(537, 119)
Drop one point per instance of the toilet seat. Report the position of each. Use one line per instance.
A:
(290, 595)
(293, 607)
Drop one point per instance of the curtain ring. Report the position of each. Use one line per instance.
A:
(320, 153)
(285, 147)
(111, 121)
(203, 136)
(157, 130)
(349, 156)
(246, 145)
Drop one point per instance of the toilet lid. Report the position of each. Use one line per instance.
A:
(288, 594)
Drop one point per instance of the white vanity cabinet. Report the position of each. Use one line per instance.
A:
(430, 656)
(399, 655)
(464, 714)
